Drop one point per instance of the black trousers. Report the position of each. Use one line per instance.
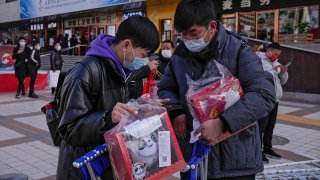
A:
(266, 127)
(33, 76)
(21, 85)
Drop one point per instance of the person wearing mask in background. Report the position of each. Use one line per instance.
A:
(205, 40)
(56, 63)
(34, 64)
(279, 72)
(138, 73)
(165, 54)
(83, 120)
(21, 54)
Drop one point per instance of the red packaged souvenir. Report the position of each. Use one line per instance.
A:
(213, 93)
(144, 146)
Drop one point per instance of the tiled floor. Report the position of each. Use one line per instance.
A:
(21, 107)
(6, 134)
(25, 144)
(38, 121)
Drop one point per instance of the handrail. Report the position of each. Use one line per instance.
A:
(62, 50)
(286, 46)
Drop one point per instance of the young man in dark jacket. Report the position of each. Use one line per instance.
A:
(205, 39)
(34, 63)
(20, 55)
(56, 62)
(84, 122)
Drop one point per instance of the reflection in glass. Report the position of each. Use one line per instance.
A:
(229, 23)
(299, 20)
(266, 26)
(247, 25)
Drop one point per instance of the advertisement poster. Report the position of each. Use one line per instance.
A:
(39, 8)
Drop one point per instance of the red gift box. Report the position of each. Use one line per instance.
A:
(209, 101)
(135, 157)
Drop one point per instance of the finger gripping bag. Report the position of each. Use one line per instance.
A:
(144, 146)
(214, 92)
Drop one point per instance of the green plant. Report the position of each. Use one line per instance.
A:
(303, 27)
(288, 28)
(261, 21)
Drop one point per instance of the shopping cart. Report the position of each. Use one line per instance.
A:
(198, 164)
(94, 163)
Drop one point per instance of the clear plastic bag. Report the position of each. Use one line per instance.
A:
(144, 146)
(214, 92)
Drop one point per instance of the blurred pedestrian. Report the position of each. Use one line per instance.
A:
(73, 43)
(34, 63)
(56, 63)
(165, 54)
(21, 54)
(65, 43)
(279, 72)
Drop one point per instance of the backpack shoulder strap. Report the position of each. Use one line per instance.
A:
(93, 66)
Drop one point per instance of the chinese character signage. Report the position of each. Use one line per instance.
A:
(231, 6)
(91, 21)
(128, 14)
(39, 8)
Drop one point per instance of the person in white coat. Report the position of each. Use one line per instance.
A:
(279, 72)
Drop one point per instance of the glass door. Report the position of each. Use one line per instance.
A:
(229, 22)
(266, 21)
(247, 24)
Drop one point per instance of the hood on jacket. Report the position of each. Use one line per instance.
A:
(101, 47)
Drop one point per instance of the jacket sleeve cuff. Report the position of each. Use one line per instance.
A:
(225, 124)
(173, 113)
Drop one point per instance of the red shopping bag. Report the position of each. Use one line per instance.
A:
(150, 86)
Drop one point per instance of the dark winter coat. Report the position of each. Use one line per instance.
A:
(83, 123)
(239, 155)
(20, 66)
(56, 61)
(34, 61)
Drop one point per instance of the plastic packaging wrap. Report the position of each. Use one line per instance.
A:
(144, 146)
(214, 92)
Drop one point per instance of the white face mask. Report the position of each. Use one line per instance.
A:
(37, 48)
(166, 53)
(22, 43)
(196, 45)
(137, 62)
(58, 48)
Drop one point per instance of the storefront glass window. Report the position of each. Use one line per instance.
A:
(299, 20)
(229, 23)
(265, 26)
(247, 25)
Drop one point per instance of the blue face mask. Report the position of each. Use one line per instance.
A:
(137, 62)
(196, 45)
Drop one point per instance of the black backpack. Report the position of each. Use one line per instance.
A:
(51, 109)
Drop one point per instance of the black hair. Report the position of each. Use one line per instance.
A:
(168, 41)
(34, 43)
(141, 31)
(22, 38)
(274, 45)
(193, 12)
(55, 43)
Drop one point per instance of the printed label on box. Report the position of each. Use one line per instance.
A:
(141, 128)
(164, 149)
